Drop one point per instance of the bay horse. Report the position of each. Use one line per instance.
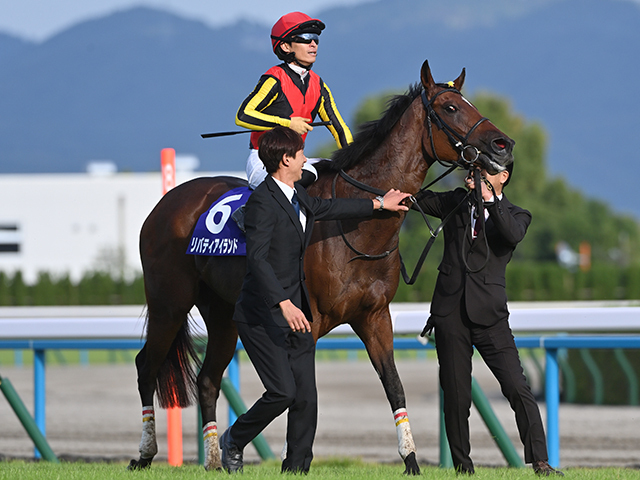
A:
(431, 122)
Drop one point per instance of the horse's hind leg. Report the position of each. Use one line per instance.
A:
(148, 443)
(377, 335)
(166, 316)
(220, 349)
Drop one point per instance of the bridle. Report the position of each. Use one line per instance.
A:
(460, 143)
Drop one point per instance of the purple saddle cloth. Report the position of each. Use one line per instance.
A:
(216, 233)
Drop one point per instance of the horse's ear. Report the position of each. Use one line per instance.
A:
(427, 79)
(458, 82)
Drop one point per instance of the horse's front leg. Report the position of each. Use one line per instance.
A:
(377, 335)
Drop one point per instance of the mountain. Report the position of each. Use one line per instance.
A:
(119, 88)
(124, 86)
(10, 47)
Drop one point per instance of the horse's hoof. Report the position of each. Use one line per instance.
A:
(140, 464)
(411, 465)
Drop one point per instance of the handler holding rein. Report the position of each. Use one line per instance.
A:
(273, 312)
(469, 308)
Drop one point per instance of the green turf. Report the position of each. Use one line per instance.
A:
(322, 469)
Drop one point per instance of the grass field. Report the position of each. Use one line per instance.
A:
(321, 470)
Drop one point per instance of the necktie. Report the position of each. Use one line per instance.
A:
(295, 203)
(478, 224)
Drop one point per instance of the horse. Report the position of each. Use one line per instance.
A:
(431, 122)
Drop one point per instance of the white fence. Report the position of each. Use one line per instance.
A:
(128, 321)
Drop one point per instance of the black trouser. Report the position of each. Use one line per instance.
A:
(285, 363)
(456, 336)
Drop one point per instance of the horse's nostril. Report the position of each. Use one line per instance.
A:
(501, 144)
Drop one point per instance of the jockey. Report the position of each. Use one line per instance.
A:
(290, 94)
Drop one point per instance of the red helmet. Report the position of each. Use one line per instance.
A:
(291, 24)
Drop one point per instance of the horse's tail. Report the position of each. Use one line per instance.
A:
(176, 380)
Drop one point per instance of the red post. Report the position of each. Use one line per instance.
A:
(168, 164)
(585, 256)
(174, 415)
(174, 436)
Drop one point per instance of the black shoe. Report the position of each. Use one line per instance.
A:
(295, 471)
(543, 469)
(231, 454)
(460, 470)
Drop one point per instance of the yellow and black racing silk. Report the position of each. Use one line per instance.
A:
(280, 95)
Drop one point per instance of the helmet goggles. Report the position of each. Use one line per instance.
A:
(306, 38)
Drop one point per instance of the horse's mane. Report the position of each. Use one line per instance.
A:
(371, 134)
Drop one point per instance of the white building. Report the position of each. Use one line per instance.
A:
(74, 223)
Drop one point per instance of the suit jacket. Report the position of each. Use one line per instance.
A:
(484, 291)
(275, 249)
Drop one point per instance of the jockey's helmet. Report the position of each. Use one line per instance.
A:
(290, 25)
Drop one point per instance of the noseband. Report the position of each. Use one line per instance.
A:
(459, 142)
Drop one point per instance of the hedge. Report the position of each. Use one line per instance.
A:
(525, 282)
(94, 288)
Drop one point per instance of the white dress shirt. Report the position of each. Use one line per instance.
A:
(288, 192)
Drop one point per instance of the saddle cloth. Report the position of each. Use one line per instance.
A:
(216, 234)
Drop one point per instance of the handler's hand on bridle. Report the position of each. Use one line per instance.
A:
(487, 190)
(393, 200)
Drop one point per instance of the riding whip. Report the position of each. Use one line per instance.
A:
(236, 132)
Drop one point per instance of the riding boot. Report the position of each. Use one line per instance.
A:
(238, 217)
(308, 177)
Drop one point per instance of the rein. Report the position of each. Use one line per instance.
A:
(479, 216)
(367, 188)
(434, 232)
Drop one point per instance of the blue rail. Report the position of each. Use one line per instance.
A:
(551, 345)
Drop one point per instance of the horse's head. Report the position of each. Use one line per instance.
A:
(457, 132)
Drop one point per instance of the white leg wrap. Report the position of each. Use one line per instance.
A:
(211, 448)
(148, 444)
(403, 429)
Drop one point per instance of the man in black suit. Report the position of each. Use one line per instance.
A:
(469, 308)
(272, 314)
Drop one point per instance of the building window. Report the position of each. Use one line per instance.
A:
(9, 238)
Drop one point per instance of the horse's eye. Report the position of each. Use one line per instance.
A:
(451, 108)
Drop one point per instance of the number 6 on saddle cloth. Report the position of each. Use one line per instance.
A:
(214, 234)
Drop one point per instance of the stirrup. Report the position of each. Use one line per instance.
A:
(238, 217)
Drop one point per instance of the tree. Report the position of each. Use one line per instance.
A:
(19, 290)
(560, 213)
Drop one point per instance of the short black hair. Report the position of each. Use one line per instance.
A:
(510, 170)
(276, 143)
